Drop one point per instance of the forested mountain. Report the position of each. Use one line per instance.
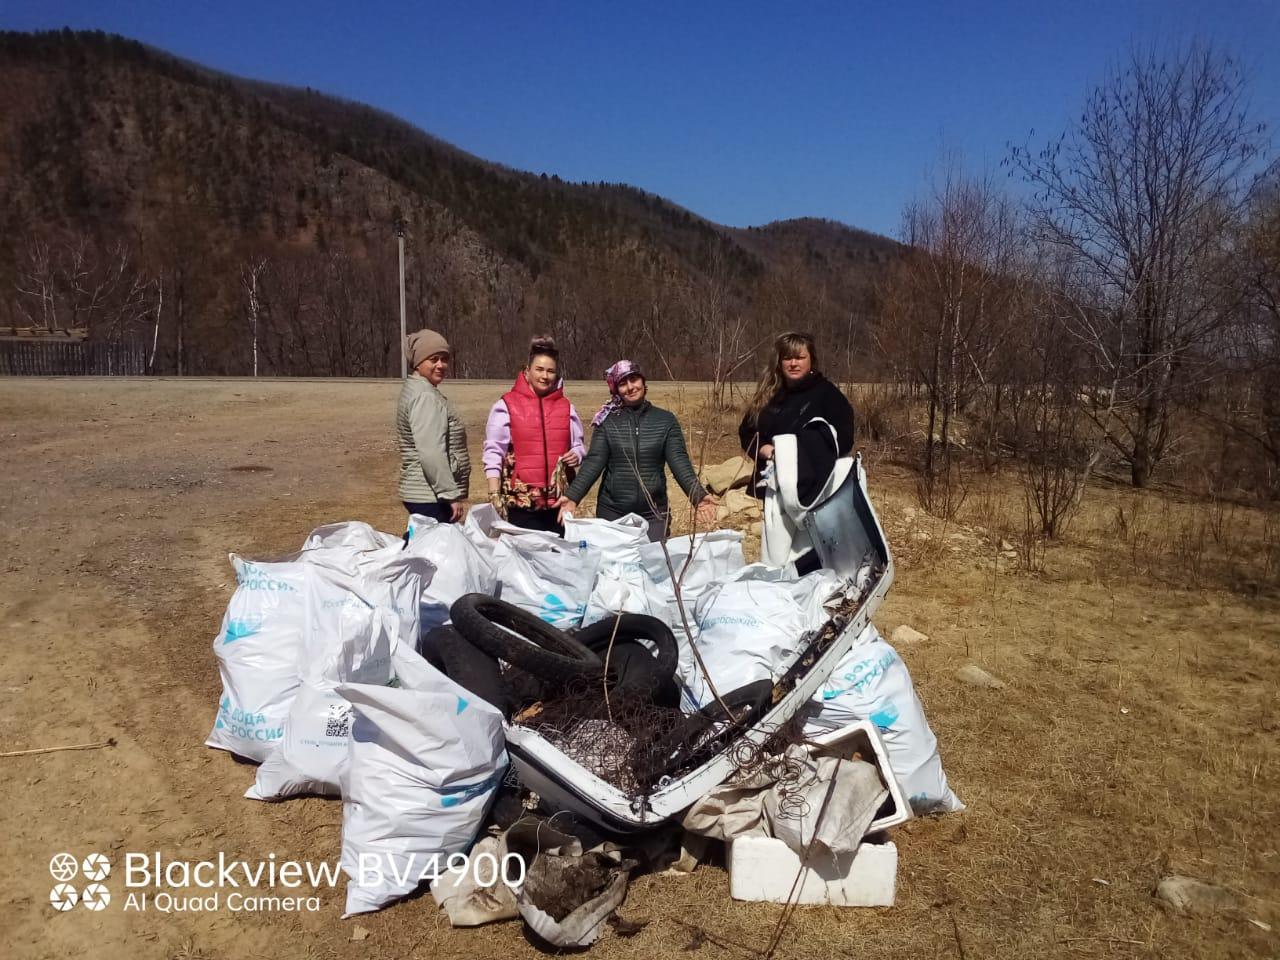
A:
(224, 222)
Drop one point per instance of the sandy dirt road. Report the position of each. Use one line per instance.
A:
(120, 501)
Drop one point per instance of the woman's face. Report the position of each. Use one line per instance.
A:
(543, 373)
(632, 389)
(435, 368)
(796, 366)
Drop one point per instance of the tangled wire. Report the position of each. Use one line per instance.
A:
(638, 746)
(619, 737)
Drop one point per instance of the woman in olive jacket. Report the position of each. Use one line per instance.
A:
(632, 445)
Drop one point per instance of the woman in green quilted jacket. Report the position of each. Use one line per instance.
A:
(632, 446)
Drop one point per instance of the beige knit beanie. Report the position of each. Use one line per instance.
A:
(423, 344)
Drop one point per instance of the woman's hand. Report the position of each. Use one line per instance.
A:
(705, 514)
(571, 459)
(495, 496)
(459, 510)
(766, 452)
(567, 508)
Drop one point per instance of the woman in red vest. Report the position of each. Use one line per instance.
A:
(533, 443)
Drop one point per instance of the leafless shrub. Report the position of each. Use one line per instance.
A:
(883, 412)
(1031, 544)
(1189, 546)
(942, 494)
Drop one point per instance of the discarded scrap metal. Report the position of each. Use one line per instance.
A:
(673, 765)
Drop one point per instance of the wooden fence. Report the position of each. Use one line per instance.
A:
(42, 358)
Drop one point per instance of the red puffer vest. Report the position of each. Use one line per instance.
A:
(539, 431)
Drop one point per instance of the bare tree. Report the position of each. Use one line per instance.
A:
(250, 283)
(1139, 196)
(945, 307)
(76, 285)
(720, 325)
(37, 285)
(1057, 450)
(1246, 396)
(158, 284)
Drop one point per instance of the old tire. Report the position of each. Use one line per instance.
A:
(689, 738)
(636, 675)
(638, 627)
(505, 631)
(469, 667)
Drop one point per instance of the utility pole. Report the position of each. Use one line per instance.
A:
(404, 359)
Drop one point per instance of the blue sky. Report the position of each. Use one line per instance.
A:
(744, 112)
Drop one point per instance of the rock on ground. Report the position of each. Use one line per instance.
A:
(734, 472)
(905, 636)
(739, 501)
(1188, 896)
(975, 676)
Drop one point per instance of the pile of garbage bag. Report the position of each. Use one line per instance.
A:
(391, 670)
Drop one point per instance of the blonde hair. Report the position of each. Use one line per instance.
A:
(771, 381)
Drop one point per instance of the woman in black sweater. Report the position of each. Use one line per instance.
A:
(793, 392)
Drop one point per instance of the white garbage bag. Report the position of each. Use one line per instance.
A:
(618, 541)
(624, 588)
(262, 640)
(460, 568)
(547, 576)
(354, 534)
(313, 752)
(872, 682)
(483, 527)
(424, 761)
(345, 590)
(751, 628)
(474, 893)
(698, 563)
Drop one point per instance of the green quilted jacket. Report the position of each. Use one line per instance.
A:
(631, 448)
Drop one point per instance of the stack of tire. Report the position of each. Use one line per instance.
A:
(642, 654)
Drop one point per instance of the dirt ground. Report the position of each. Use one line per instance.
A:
(1136, 734)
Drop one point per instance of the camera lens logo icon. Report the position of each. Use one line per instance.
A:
(96, 896)
(63, 897)
(63, 867)
(95, 867)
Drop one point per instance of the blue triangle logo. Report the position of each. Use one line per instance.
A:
(462, 705)
(884, 717)
(239, 629)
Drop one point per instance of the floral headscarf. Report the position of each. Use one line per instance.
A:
(614, 376)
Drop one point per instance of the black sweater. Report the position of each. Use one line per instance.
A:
(789, 410)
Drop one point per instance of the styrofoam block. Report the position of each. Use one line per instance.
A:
(764, 868)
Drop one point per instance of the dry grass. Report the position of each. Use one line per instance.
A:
(1137, 733)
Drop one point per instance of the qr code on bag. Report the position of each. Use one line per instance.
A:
(338, 722)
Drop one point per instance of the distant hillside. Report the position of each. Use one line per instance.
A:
(149, 198)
